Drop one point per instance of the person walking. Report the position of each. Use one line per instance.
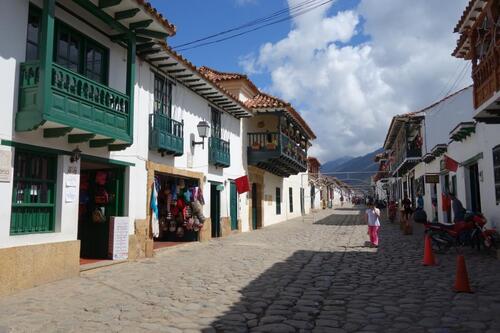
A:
(372, 217)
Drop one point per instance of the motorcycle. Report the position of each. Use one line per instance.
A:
(469, 232)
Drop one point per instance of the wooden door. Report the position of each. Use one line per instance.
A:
(215, 210)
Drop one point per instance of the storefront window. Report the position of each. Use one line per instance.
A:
(33, 197)
(496, 168)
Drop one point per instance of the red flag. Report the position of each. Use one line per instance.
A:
(450, 164)
(242, 184)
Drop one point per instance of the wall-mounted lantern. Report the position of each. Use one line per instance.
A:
(203, 128)
(75, 155)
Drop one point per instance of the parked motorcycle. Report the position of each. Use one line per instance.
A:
(470, 232)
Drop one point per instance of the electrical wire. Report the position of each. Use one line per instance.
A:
(250, 23)
(300, 13)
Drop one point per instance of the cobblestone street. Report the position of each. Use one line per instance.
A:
(295, 276)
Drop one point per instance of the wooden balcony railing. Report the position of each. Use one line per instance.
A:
(75, 101)
(219, 152)
(486, 76)
(166, 135)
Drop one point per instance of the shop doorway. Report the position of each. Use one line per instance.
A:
(180, 210)
(255, 198)
(474, 188)
(101, 197)
(215, 210)
(233, 205)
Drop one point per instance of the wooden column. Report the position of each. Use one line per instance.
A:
(46, 52)
(131, 54)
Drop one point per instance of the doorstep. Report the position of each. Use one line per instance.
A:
(100, 264)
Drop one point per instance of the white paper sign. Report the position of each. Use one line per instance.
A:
(70, 194)
(71, 180)
(5, 166)
(118, 238)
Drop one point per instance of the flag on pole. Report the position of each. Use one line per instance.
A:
(450, 164)
(155, 224)
(242, 185)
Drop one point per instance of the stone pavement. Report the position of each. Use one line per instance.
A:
(293, 277)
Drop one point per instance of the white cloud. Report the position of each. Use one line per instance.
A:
(348, 92)
(245, 2)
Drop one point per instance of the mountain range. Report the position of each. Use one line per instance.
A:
(356, 171)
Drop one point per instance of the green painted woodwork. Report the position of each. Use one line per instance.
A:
(41, 98)
(166, 135)
(151, 33)
(101, 15)
(56, 132)
(118, 147)
(100, 143)
(233, 205)
(219, 152)
(140, 24)
(33, 193)
(145, 46)
(128, 13)
(80, 138)
(277, 153)
(72, 100)
(108, 3)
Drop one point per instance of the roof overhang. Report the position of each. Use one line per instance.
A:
(462, 131)
(173, 65)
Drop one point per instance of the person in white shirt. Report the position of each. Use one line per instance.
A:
(372, 216)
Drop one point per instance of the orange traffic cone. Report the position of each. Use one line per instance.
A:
(462, 277)
(428, 255)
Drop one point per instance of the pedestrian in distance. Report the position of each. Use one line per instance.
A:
(407, 210)
(372, 217)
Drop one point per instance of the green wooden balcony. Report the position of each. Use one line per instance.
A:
(73, 103)
(166, 135)
(277, 153)
(218, 152)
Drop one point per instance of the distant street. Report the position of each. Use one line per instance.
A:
(297, 276)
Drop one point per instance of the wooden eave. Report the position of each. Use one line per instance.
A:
(182, 71)
(439, 149)
(462, 131)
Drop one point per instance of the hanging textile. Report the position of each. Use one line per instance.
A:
(155, 225)
(242, 185)
(450, 164)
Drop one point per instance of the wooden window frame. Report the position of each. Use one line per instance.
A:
(278, 200)
(36, 12)
(496, 177)
(216, 123)
(34, 223)
(162, 95)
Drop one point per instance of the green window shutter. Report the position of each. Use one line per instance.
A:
(33, 197)
(278, 201)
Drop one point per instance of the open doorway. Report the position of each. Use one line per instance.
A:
(101, 197)
(474, 195)
(215, 209)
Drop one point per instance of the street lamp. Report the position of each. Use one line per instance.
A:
(203, 127)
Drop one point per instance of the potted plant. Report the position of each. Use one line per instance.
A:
(255, 145)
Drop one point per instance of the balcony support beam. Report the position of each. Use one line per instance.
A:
(100, 143)
(56, 132)
(125, 14)
(80, 138)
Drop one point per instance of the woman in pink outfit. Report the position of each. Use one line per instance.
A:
(372, 216)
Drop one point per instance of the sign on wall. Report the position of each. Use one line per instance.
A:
(118, 238)
(432, 179)
(5, 165)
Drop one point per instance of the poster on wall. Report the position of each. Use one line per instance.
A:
(5, 166)
(118, 238)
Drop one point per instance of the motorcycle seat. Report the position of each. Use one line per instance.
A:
(442, 225)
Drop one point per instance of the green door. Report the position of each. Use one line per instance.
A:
(215, 210)
(233, 203)
(254, 206)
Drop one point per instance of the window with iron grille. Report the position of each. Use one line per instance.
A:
(33, 197)
(496, 168)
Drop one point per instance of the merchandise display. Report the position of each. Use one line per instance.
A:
(180, 208)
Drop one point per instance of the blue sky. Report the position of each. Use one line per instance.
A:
(198, 18)
(347, 67)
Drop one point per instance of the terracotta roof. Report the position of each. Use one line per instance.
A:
(217, 76)
(314, 160)
(265, 101)
(157, 15)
